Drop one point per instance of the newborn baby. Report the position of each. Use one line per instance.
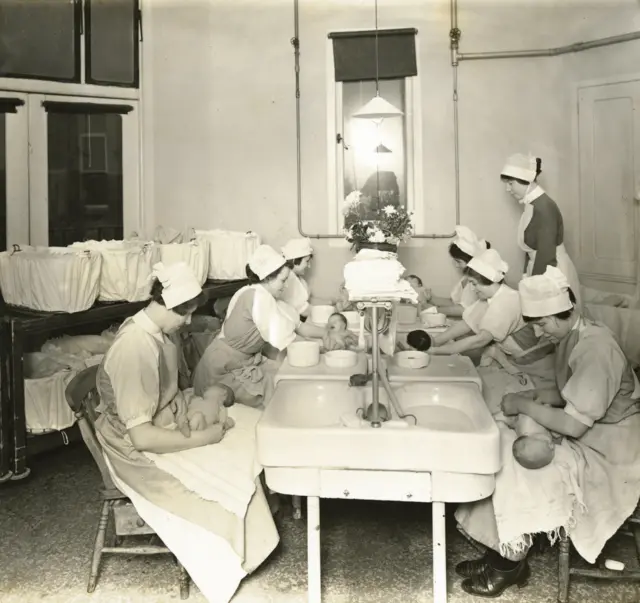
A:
(202, 412)
(338, 336)
(424, 295)
(534, 448)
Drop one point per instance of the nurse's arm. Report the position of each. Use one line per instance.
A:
(311, 331)
(149, 438)
(473, 342)
(554, 419)
(460, 329)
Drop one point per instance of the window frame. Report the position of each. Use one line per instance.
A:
(335, 150)
(81, 84)
(17, 168)
(38, 174)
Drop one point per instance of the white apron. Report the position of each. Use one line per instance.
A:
(565, 265)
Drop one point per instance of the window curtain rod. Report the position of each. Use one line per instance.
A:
(10, 105)
(86, 108)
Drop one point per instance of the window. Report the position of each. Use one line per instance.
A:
(53, 39)
(381, 157)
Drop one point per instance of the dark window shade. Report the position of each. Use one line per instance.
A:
(10, 105)
(85, 108)
(111, 42)
(40, 39)
(354, 54)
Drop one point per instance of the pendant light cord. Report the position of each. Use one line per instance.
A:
(378, 124)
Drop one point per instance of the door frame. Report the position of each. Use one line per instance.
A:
(132, 211)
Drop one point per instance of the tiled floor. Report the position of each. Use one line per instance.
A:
(371, 552)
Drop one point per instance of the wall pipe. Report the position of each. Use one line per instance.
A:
(295, 42)
(549, 52)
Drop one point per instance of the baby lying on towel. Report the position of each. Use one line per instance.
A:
(211, 409)
(338, 336)
(535, 446)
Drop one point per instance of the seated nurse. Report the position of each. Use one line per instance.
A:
(138, 386)
(496, 319)
(592, 485)
(465, 246)
(298, 253)
(256, 316)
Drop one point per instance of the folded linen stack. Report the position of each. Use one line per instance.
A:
(373, 274)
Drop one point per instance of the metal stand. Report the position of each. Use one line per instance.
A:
(372, 413)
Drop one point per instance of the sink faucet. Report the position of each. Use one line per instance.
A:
(375, 413)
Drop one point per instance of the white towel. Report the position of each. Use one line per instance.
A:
(224, 472)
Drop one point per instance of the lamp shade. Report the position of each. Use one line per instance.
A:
(378, 108)
(382, 149)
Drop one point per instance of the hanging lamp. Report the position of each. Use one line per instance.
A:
(377, 108)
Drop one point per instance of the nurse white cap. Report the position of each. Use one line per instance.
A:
(265, 260)
(468, 242)
(544, 294)
(522, 167)
(297, 248)
(179, 283)
(490, 265)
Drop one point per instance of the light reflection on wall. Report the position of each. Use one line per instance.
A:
(364, 169)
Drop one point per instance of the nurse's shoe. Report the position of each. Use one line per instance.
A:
(471, 567)
(492, 582)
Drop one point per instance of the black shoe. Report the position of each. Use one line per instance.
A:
(471, 567)
(492, 582)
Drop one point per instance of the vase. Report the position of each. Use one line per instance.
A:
(379, 246)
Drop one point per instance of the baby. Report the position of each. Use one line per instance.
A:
(338, 336)
(424, 295)
(202, 412)
(535, 447)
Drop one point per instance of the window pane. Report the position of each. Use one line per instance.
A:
(112, 42)
(38, 39)
(85, 177)
(375, 153)
(3, 182)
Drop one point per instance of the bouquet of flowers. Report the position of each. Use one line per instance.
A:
(369, 221)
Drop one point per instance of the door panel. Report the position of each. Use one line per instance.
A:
(609, 139)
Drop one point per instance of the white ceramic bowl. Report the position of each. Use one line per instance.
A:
(303, 354)
(412, 359)
(353, 318)
(429, 319)
(407, 314)
(320, 314)
(341, 358)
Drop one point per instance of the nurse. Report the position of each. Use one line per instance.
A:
(256, 316)
(541, 228)
(465, 246)
(593, 484)
(138, 383)
(496, 318)
(298, 254)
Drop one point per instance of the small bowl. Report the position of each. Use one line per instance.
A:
(341, 358)
(353, 318)
(303, 354)
(407, 314)
(412, 359)
(428, 319)
(320, 314)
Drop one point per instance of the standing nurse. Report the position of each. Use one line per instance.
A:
(541, 229)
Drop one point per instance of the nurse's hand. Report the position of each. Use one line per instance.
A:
(510, 404)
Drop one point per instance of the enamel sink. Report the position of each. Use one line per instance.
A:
(317, 424)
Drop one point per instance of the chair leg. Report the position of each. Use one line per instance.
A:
(184, 580)
(297, 507)
(563, 569)
(99, 545)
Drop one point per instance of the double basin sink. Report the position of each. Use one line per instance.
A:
(314, 421)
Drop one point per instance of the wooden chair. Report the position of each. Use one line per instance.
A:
(82, 397)
(565, 571)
